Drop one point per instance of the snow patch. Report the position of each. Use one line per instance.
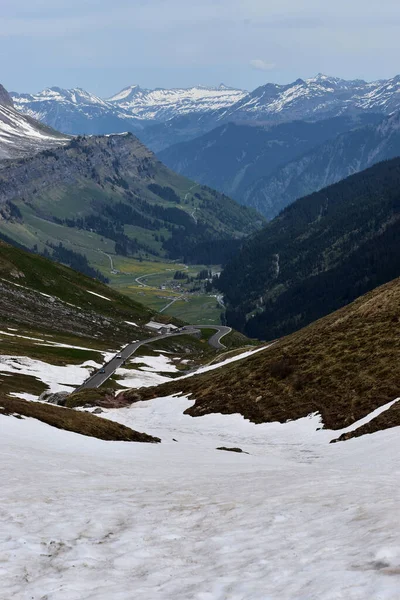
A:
(99, 295)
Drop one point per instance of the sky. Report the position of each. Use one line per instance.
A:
(105, 45)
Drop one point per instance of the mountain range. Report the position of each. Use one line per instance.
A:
(76, 111)
(316, 98)
(192, 112)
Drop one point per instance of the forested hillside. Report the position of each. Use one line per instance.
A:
(319, 254)
(328, 163)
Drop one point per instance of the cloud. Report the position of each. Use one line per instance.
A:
(262, 65)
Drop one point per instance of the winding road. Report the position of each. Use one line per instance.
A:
(109, 368)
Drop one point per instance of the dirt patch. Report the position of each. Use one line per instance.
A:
(104, 398)
(237, 450)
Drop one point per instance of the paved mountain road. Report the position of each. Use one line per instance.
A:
(98, 378)
(215, 340)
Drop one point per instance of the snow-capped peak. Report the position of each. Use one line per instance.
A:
(125, 94)
(5, 98)
(319, 97)
(161, 104)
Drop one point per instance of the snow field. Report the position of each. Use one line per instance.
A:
(65, 378)
(57, 378)
(295, 519)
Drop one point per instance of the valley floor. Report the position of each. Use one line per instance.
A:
(295, 519)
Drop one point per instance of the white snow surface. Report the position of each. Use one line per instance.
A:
(57, 378)
(162, 104)
(99, 295)
(148, 373)
(131, 103)
(20, 136)
(295, 519)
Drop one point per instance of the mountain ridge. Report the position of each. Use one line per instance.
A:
(204, 108)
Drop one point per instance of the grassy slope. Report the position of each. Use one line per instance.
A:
(71, 420)
(386, 420)
(27, 280)
(343, 366)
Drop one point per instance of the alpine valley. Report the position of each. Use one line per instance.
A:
(199, 400)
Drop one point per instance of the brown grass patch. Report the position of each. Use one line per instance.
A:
(343, 366)
(388, 419)
(71, 420)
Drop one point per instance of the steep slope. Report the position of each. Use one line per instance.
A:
(21, 135)
(344, 367)
(320, 253)
(233, 158)
(38, 293)
(334, 160)
(110, 194)
(56, 325)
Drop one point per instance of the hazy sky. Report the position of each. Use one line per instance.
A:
(104, 45)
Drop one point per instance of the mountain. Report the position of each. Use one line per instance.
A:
(76, 111)
(163, 117)
(326, 164)
(111, 195)
(320, 97)
(234, 158)
(21, 135)
(320, 253)
(315, 99)
(343, 367)
(162, 104)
